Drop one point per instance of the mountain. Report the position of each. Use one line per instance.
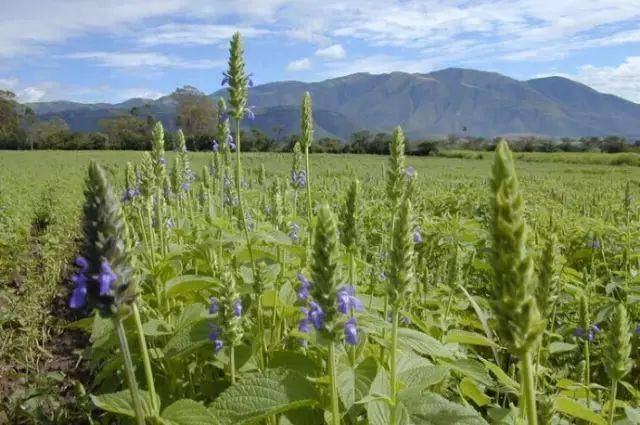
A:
(434, 104)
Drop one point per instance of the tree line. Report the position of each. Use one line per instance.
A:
(20, 129)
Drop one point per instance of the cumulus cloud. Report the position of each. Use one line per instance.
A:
(622, 80)
(333, 52)
(299, 65)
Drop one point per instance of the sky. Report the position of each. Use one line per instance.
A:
(113, 50)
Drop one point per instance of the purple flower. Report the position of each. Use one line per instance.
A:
(213, 307)
(294, 177)
(302, 178)
(596, 328)
(237, 308)
(79, 295)
(249, 80)
(578, 332)
(82, 263)
(382, 277)
(185, 186)
(215, 146)
(316, 315)
(595, 244)
(225, 79)
(347, 300)
(106, 278)
(248, 112)
(213, 336)
(303, 292)
(303, 326)
(351, 332)
(409, 172)
(170, 223)
(417, 237)
(405, 320)
(638, 329)
(231, 143)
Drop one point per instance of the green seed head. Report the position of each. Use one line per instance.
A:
(324, 266)
(351, 218)
(401, 267)
(158, 150)
(396, 169)
(548, 277)
(306, 124)
(238, 79)
(514, 306)
(618, 350)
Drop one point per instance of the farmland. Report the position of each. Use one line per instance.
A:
(449, 346)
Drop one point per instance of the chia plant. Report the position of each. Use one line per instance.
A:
(618, 353)
(519, 324)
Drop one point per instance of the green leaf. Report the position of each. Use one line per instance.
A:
(422, 343)
(354, 384)
(472, 390)
(469, 338)
(503, 378)
(574, 409)
(157, 327)
(472, 369)
(184, 285)
(433, 409)
(416, 371)
(378, 408)
(188, 412)
(263, 394)
(560, 347)
(121, 404)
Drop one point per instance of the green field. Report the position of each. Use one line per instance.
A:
(588, 201)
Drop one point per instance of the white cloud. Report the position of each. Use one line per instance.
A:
(8, 83)
(622, 80)
(378, 64)
(299, 65)
(142, 59)
(333, 52)
(194, 34)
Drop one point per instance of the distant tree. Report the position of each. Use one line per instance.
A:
(196, 112)
(327, 145)
(614, 144)
(127, 132)
(12, 136)
(359, 142)
(427, 148)
(380, 144)
(51, 134)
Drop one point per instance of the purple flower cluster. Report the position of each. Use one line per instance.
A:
(129, 194)
(589, 334)
(299, 179)
(231, 143)
(105, 278)
(237, 308)
(249, 114)
(214, 336)
(185, 186)
(346, 301)
(409, 172)
(215, 147)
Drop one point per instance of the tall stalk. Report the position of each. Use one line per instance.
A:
(128, 369)
(148, 373)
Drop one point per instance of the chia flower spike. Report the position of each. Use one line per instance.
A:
(548, 277)
(401, 270)
(306, 123)
(237, 78)
(104, 278)
(396, 168)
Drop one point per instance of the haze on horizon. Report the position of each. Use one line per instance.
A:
(91, 51)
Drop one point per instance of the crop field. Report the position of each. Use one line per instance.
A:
(224, 288)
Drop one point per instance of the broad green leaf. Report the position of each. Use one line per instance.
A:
(188, 412)
(378, 408)
(184, 285)
(157, 327)
(472, 369)
(433, 409)
(121, 403)
(574, 409)
(502, 377)
(416, 371)
(422, 343)
(560, 347)
(632, 414)
(472, 390)
(259, 395)
(292, 360)
(469, 338)
(354, 384)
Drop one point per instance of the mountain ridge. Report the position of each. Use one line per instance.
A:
(438, 103)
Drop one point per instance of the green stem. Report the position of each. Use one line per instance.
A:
(614, 393)
(148, 373)
(306, 154)
(528, 392)
(232, 363)
(587, 371)
(392, 368)
(335, 409)
(128, 369)
(243, 219)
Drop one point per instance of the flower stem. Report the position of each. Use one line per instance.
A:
(148, 373)
(232, 364)
(528, 392)
(392, 368)
(243, 219)
(335, 409)
(614, 393)
(128, 369)
(309, 230)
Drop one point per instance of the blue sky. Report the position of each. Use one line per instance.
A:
(112, 50)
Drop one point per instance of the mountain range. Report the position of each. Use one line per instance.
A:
(450, 101)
